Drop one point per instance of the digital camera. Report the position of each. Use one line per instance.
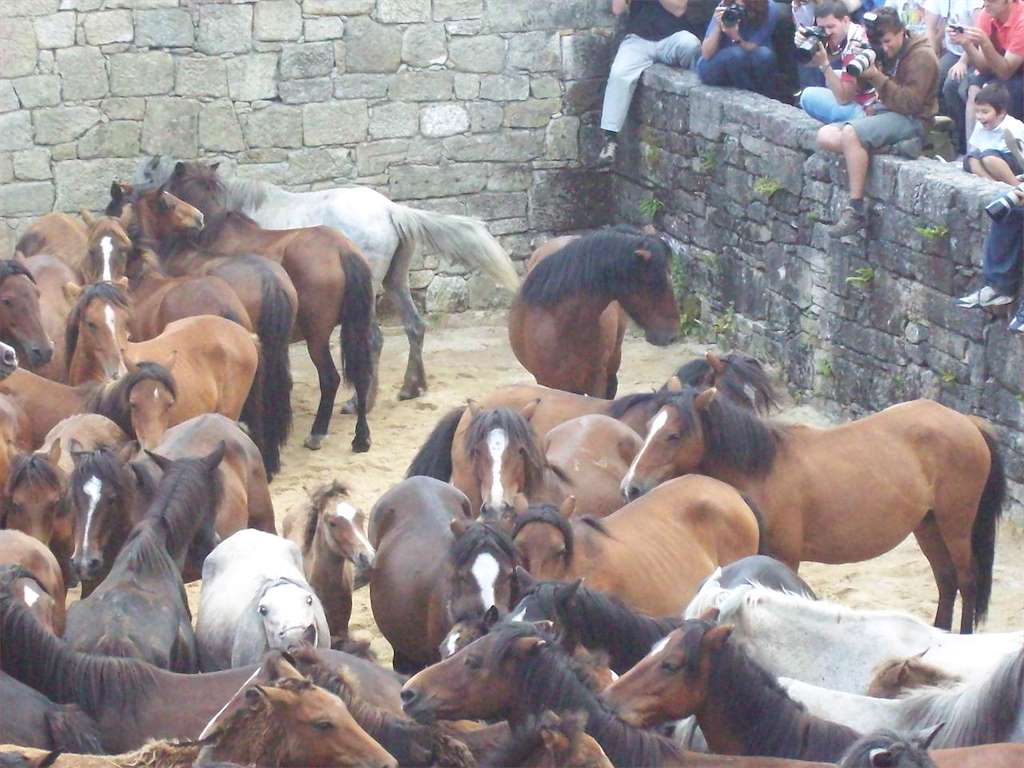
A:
(999, 208)
(733, 15)
(861, 61)
(806, 41)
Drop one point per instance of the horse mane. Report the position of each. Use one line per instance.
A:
(105, 292)
(146, 550)
(527, 739)
(654, 400)
(12, 268)
(602, 263)
(548, 514)
(246, 194)
(519, 433)
(200, 186)
(317, 499)
(859, 753)
(104, 464)
(33, 469)
(481, 536)
(595, 524)
(187, 498)
(744, 381)
(13, 572)
(112, 401)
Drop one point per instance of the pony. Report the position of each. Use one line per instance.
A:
(51, 275)
(82, 433)
(652, 553)
(21, 323)
(109, 247)
(737, 376)
(58, 234)
(887, 749)
(550, 741)
(255, 598)
(37, 572)
(434, 566)
(336, 555)
(931, 471)
(562, 326)
(386, 232)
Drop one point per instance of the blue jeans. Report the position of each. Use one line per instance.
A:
(1003, 252)
(821, 104)
(809, 77)
(750, 70)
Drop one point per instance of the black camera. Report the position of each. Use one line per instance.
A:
(733, 15)
(957, 28)
(806, 41)
(999, 208)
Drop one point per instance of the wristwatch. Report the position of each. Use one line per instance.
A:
(824, 67)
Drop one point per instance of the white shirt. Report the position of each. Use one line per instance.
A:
(911, 12)
(983, 138)
(962, 12)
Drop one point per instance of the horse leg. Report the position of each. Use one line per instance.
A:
(929, 538)
(955, 529)
(396, 283)
(318, 345)
(376, 345)
(404, 665)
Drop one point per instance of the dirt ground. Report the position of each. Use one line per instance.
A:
(469, 362)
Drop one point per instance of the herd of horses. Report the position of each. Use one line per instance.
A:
(567, 576)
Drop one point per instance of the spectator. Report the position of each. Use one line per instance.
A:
(656, 31)
(739, 54)
(911, 12)
(989, 153)
(905, 74)
(843, 98)
(804, 14)
(942, 18)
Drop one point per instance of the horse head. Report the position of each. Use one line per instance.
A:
(544, 539)
(162, 216)
(289, 616)
(648, 297)
(97, 331)
(35, 497)
(505, 456)
(341, 527)
(108, 250)
(21, 322)
(480, 567)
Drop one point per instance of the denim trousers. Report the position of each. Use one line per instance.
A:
(821, 104)
(1003, 252)
(750, 70)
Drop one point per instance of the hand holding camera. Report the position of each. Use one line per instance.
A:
(810, 44)
(731, 15)
(862, 62)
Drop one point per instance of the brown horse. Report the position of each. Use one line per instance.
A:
(551, 742)
(82, 433)
(15, 434)
(51, 275)
(331, 277)
(433, 567)
(57, 234)
(885, 749)
(47, 402)
(652, 556)
(567, 322)
(851, 492)
(21, 323)
(336, 553)
(108, 250)
(42, 587)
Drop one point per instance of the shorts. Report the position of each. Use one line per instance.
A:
(978, 154)
(885, 127)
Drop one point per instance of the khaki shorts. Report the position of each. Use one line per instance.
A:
(885, 127)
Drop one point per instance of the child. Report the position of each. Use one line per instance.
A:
(989, 152)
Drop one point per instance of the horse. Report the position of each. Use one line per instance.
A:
(255, 598)
(931, 471)
(51, 275)
(386, 232)
(140, 609)
(15, 434)
(652, 553)
(82, 433)
(835, 647)
(756, 570)
(550, 741)
(517, 671)
(433, 567)
(21, 323)
(108, 250)
(32, 720)
(897, 676)
(737, 376)
(57, 234)
(336, 554)
(332, 281)
(562, 325)
(38, 573)
(887, 749)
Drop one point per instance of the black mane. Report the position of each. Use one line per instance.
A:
(13, 268)
(906, 753)
(520, 435)
(112, 401)
(187, 498)
(549, 514)
(528, 739)
(478, 537)
(106, 292)
(33, 469)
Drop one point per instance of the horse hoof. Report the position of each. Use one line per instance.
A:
(409, 393)
(360, 446)
(314, 442)
(348, 407)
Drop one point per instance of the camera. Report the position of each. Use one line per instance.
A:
(733, 15)
(870, 22)
(957, 28)
(1001, 206)
(806, 41)
(861, 61)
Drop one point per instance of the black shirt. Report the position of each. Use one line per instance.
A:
(649, 19)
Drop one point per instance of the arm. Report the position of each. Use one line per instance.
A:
(912, 97)
(620, 7)
(935, 25)
(843, 90)
(1003, 66)
(713, 37)
(675, 7)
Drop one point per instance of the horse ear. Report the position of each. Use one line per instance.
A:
(161, 461)
(528, 409)
(72, 291)
(674, 385)
(255, 696)
(924, 737)
(568, 507)
(179, 170)
(710, 615)
(715, 637)
(881, 758)
(213, 459)
(474, 408)
(491, 616)
(715, 362)
(87, 217)
(644, 254)
(524, 579)
(460, 525)
(566, 592)
(527, 646)
(54, 455)
(703, 400)
(116, 191)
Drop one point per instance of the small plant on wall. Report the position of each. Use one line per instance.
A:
(651, 207)
(861, 278)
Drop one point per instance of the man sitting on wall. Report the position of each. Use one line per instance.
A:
(656, 31)
(903, 68)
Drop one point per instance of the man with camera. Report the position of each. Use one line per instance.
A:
(903, 69)
(946, 20)
(830, 46)
(736, 50)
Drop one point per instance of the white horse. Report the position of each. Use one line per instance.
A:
(255, 598)
(8, 360)
(385, 231)
(840, 648)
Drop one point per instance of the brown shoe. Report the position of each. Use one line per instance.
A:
(850, 220)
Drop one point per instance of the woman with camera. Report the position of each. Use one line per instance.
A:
(736, 50)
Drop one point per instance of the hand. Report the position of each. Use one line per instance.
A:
(956, 37)
(958, 70)
(1019, 192)
(820, 57)
(974, 36)
(719, 10)
(870, 71)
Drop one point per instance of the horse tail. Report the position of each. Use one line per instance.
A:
(356, 316)
(461, 236)
(434, 458)
(252, 410)
(990, 509)
(71, 730)
(759, 518)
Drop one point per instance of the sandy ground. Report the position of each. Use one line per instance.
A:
(471, 361)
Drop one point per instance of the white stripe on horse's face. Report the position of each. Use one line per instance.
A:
(107, 247)
(31, 596)
(93, 488)
(347, 511)
(657, 423)
(659, 646)
(453, 642)
(497, 442)
(485, 570)
(519, 616)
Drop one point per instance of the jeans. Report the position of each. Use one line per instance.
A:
(636, 54)
(953, 98)
(810, 77)
(1003, 252)
(750, 70)
(821, 104)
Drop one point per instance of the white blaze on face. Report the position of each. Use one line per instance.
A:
(347, 511)
(519, 616)
(657, 423)
(485, 570)
(107, 247)
(659, 646)
(92, 488)
(453, 642)
(31, 596)
(497, 442)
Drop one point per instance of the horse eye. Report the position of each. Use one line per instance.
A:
(673, 438)
(323, 725)
(263, 610)
(309, 599)
(668, 666)
(90, 325)
(7, 302)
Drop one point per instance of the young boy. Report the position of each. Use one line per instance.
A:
(989, 152)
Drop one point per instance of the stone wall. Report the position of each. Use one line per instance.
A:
(856, 324)
(482, 107)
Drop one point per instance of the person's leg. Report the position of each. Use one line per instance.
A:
(678, 50)
(721, 68)
(975, 166)
(634, 56)
(821, 104)
(1003, 244)
(997, 168)
(830, 138)
(857, 160)
(760, 65)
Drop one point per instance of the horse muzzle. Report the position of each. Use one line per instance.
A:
(661, 338)
(87, 568)
(39, 355)
(417, 706)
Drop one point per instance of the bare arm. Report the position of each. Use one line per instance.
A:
(675, 7)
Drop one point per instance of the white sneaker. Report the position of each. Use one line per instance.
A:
(607, 156)
(984, 297)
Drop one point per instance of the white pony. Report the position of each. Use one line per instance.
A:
(835, 647)
(385, 231)
(255, 598)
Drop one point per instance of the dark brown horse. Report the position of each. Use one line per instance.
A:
(21, 323)
(851, 492)
(42, 586)
(559, 324)
(433, 566)
(550, 742)
(32, 720)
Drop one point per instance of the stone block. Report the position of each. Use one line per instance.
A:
(38, 90)
(224, 29)
(336, 122)
(120, 138)
(438, 120)
(124, 108)
(419, 181)
(336, 7)
(308, 166)
(55, 31)
(402, 11)
(108, 27)
(275, 126)
(497, 205)
(514, 146)
(509, 178)
(467, 87)
(483, 53)
(505, 87)
(569, 199)
(421, 86)
(29, 7)
(545, 87)
(201, 77)
(393, 120)
(535, 52)
(59, 124)
(219, 130)
(446, 295)
(424, 45)
(485, 116)
(134, 4)
(586, 54)
(372, 47)
(323, 28)
(361, 86)
(376, 157)
(445, 10)
(277, 20)
(466, 28)
(32, 165)
(252, 77)
(6, 174)
(18, 52)
(171, 127)
(561, 139)
(30, 198)
(8, 98)
(164, 28)
(86, 183)
(83, 73)
(305, 91)
(141, 74)
(532, 113)
(304, 60)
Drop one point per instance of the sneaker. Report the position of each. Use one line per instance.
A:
(987, 296)
(1017, 324)
(607, 156)
(1013, 145)
(850, 221)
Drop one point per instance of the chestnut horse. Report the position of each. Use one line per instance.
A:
(926, 468)
(550, 742)
(108, 249)
(82, 433)
(433, 566)
(51, 276)
(47, 596)
(562, 325)
(653, 553)
(21, 323)
(15, 434)
(58, 234)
